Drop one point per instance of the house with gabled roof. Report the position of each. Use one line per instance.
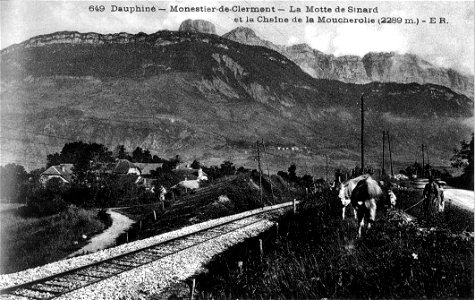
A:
(63, 172)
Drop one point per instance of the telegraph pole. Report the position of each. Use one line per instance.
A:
(362, 134)
(326, 168)
(268, 172)
(423, 161)
(382, 170)
(260, 168)
(390, 154)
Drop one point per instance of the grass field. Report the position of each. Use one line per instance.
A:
(315, 255)
(31, 242)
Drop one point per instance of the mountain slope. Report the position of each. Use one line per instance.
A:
(206, 97)
(381, 67)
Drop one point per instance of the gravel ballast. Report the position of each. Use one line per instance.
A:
(7, 280)
(154, 278)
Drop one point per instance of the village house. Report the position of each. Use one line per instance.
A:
(191, 178)
(187, 173)
(144, 179)
(63, 172)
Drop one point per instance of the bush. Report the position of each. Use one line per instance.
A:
(45, 203)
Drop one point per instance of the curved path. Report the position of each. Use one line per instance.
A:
(120, 224)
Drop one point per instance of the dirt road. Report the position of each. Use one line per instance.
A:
(462, 198)
(120, 224)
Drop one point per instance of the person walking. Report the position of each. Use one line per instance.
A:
(431, 196)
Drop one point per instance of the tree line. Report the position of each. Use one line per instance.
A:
(92, 186)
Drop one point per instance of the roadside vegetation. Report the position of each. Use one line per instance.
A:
(315, 255)
(28, 242)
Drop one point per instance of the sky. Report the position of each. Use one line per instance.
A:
(449, 45)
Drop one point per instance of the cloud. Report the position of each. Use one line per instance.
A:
(360, 39)
(320, 40)
(292, 40)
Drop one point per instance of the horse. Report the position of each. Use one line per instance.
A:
(362, 191)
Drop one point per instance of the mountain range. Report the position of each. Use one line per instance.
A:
(210, 98)
(374, 66)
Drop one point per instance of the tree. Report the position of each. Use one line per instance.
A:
(138, 155)
(292, 173)
(53, 159)
(169, 165)
(414, 169)
(463, 159)
(13, 178)
(121, 152)
(147, 157)
(89, 160)
(227, 168)
(195, 164)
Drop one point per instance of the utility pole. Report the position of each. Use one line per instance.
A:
(326, 167)
(427, 155)
(268, 172)
(260, 168)
(362, 133)
(382, 170)
(423, 161)
(390, 154)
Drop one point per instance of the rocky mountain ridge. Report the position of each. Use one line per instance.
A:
(381, 67)
(206, 97)
(201, 26)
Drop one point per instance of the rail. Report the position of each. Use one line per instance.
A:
(76, 278)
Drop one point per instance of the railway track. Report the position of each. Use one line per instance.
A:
(59, 284)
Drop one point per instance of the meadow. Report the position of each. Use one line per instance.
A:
(315, 255)
(27, 242)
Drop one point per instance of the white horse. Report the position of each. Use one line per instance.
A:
(362, 192)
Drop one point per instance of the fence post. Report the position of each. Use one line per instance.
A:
(127, 236)
(277, 229)
(261, 250)
(240, 264)
(154, 215)
(294, 202)
(192, 288)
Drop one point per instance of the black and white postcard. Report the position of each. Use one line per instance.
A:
(236, 149)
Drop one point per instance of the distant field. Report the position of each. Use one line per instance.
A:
(30, 242)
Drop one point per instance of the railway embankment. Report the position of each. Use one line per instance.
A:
(175, 256)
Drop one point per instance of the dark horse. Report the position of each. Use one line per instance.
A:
(363, 192)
